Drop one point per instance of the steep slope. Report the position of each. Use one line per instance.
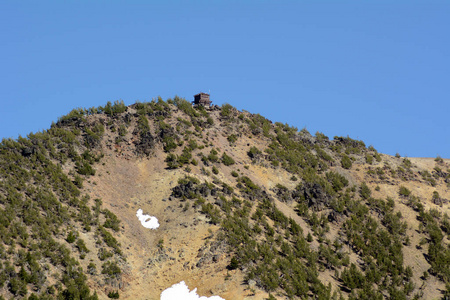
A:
(248, 209)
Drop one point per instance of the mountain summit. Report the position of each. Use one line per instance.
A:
(125, 202)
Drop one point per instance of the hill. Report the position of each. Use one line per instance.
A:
(247, 209)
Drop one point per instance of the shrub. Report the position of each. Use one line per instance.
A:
(117, 108)
(122, 130)
(234, 263)
(212, 157)
(113, 295)
(172, 161)
(112, 221)
(253, 152)
(227, 160)
(71, 237)
(346, 162)
(226, 110)
(337, 180)
(365, 191)
(92, 269)
(439, 159)
(232, 139)
(403, 191)
(111, 269)
(84, 168)
(215, 170)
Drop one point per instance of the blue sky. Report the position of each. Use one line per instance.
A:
(378, 71)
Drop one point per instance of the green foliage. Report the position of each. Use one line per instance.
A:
(215, 170)
(111, 269)
(232, 138)
(321, 137)
(113, 109)
(439, 159)
(250, 186)
(337, 180)
(74, 115)
(212, 157)
(71, 237)
(346, 162)
(81, 246)
(122, 130)
(114, 295)
(109, 239)
(364, 191)
(369, 159)
(403, 191)
(185, 106)
(84, 168)
(112, 221)
(353, 278)
(172, 161)
(226, 110)
(254, 152)
(40, 202)
(185, 156)
(142, 124)
(227, 160)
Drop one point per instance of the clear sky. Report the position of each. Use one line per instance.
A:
(378, 71)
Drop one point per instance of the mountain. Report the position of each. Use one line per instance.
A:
(246, 208)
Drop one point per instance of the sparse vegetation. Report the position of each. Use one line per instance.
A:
(58, 243)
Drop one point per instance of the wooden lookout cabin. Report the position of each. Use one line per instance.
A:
(202, 99)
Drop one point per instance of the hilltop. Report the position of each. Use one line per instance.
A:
(247, 208)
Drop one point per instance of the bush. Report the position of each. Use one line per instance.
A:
(111, 269)
(117, 108)
(232, 139)
(71, 237)
(365, 191)
(253, 152)
(234, 263)
(215, 170)
(337, 180)
(346, 162)
(212, 157)
(227, 160)
(403, 191)
(84, 168)
(113, 295)
(172, 161)
(226, 110)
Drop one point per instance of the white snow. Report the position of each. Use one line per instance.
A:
(146, 220)
(180, 291)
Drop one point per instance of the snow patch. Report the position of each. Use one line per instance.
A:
(146, 220)
(181, 291)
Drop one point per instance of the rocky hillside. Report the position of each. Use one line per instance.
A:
(247, 208)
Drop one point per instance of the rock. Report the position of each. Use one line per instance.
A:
(251, 284)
